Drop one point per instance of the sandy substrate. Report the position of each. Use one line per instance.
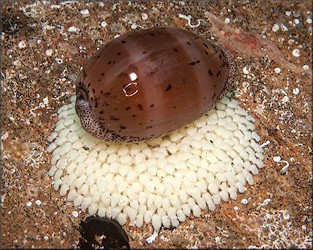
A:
(45, 44)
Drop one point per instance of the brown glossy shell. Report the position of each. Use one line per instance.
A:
(151, 82)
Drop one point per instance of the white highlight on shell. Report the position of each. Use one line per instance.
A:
(133, 76)
(161, 181)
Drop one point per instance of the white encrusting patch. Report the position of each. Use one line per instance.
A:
(161, 181)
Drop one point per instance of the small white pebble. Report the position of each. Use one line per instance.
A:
(144, 16)
(309, 20)
(5, 136)
(72, 29)
(306, 67)
(46, 238)
(288, 13)
(49, 52)
(59, 60)
(285, 99)
(275, 27)
(286, 215)
(104, 24)
(84, 13)
(22, 45)
(277, 70)
(296, 52)
(283, 27)
(277, 158)
(304, 227)
(152, 238)
(296, 21)
(245, 70)
(28, 204)
(296, 91)
(236, 208)
(17, 63)
(75, 214)
(244, 201)
(38, 202)
(227, 20)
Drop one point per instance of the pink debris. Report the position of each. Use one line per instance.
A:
(250, 44)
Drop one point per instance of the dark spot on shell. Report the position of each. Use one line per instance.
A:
(169, 87)
(152, 105)
(128, 108)
(101, 112)
(218, 73)
(118, 53)
(102, 74)
(206, 53)
(151, 73)
(220, 56)
(151, 34)
(224, 64)
(140, 107)
(174, 107)
(113, 118)
(85, 147)
(123, 41)
(176, 50)
(210, 72)
(109, 62)
(205, 45)
(213, 95)
(122, 126)
(140, 123)
(144, 52)
(188, 43)
(98, 56)
(149, 127)
(133, 115)
(184, 80)
(123, 74)
(211, 141)
(106, 94)
(93, 91)
(194, 63)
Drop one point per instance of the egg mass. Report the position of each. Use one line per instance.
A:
(149, 83)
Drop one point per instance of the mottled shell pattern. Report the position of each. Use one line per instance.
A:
(148, 83)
